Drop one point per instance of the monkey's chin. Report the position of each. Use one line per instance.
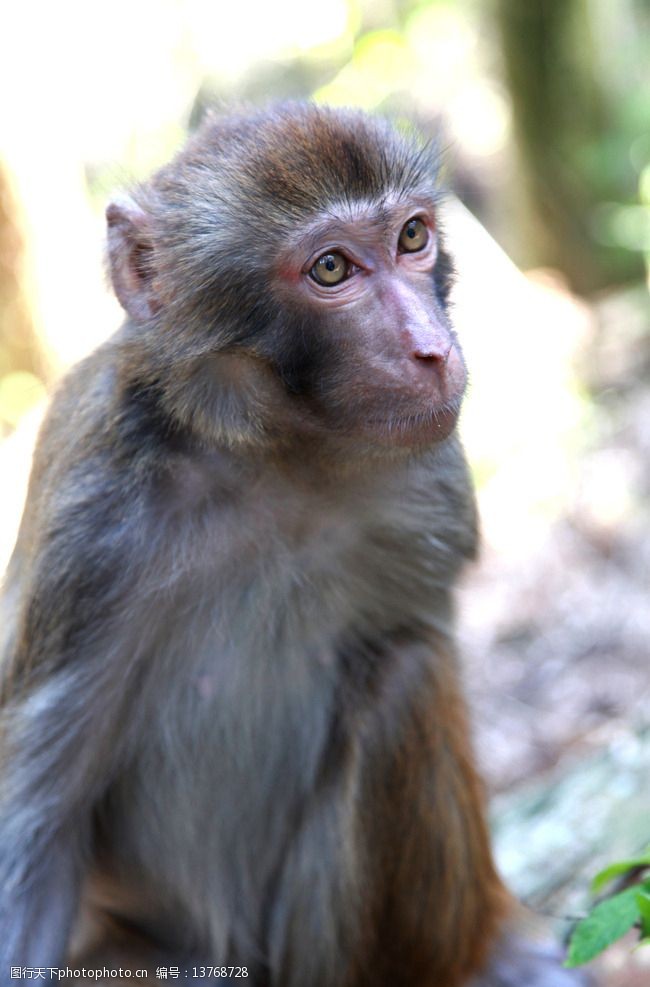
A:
(420, 429)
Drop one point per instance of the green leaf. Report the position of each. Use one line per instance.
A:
(621, 867)
(606, 923)
(643, 904)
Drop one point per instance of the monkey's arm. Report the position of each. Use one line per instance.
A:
(67, 669)
(41, 832)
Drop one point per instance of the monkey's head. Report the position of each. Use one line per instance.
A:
(285, 276)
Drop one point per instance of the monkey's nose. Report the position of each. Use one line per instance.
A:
(428, 343)
(438, 371)
(432, 353)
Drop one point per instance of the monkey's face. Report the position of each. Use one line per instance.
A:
(288, 274)
(367, 344)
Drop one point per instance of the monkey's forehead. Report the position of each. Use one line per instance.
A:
(298, 158)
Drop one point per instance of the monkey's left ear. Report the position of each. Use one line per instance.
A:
(131, 259)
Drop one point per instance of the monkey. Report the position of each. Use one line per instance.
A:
(232, 728)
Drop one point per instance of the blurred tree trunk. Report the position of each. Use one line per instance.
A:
(560, 111)
(19, 347)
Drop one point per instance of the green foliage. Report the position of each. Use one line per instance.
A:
(616, 870)
(612, 918)
(606, 923)
(643, 903)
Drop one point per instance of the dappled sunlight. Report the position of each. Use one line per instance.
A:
(116, 106)
(281, 29)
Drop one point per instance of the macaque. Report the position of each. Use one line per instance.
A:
(232, 730)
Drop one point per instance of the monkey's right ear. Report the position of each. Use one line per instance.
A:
(131, 258)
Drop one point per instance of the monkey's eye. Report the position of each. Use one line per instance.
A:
(330, 269)
(414, 236)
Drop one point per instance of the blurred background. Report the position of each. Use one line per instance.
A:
(543, 109)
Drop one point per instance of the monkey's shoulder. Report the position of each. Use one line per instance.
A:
(77, 422)
(79, 487)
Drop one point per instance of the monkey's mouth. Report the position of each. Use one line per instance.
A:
(424, 427)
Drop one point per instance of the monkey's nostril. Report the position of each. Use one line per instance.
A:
(433, 354)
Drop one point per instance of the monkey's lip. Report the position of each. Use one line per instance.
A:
(432, 425)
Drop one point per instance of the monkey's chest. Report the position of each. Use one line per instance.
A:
(241, 699)
(243, 715)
